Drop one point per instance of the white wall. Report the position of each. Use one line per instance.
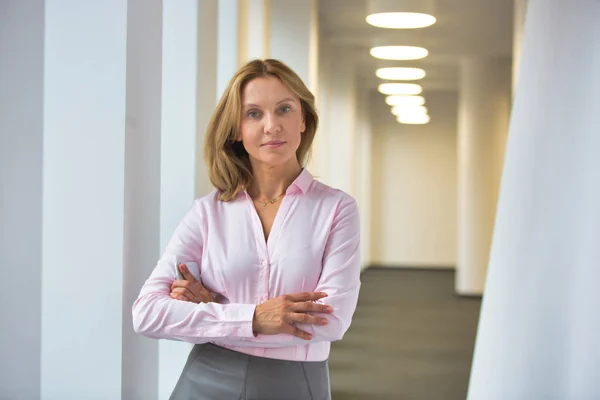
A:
(21, 88)
(414, 186)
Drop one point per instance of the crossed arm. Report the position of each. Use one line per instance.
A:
(284, 321)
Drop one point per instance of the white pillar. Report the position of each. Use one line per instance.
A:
(484, 107)
(142, 187)
(253, 29)
(293, 37)
(21, 142)
(188, 100)
(520, 11)
(228, 55)
(341, 115)
(83, 198)
(538, 331)
(364, 140)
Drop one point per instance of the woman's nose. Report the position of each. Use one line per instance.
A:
(272, 124)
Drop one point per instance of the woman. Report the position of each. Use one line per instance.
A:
(270, 259)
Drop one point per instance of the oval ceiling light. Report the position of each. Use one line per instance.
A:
(414, 119)
(405, 100)
(409, 110)
(400, 73)
(401, 20)
(399, 52)
(400, 88)
(401, 14)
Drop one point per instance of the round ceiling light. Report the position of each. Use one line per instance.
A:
(405, 100)
(401, 14)
(400, 73)
(417, 119)
(409, 110)
(400, 88)
(401, 20)
(399, 52)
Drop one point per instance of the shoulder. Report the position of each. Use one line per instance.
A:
(331, 198)
(211, 204)
(328, 193)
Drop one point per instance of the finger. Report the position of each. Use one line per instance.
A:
(203, 297)
(292, 330)
(184, 290)
(309, 306)
(305, 318)
(179, 283)
(186, 273)
(181, 296)
(306, 296)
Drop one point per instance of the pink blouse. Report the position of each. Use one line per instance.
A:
(313, 246)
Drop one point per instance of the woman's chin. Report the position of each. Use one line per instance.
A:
(274, 160)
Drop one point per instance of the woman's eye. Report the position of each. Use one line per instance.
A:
(253, 114)
(285, 109)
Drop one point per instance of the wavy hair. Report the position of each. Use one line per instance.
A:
(228, 162)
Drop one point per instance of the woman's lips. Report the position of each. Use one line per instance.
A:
(274, 144)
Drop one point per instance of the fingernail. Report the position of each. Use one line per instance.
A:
(324, 321)
(329, 309)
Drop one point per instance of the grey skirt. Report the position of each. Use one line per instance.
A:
(215, 373)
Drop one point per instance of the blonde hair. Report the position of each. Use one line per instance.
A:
(228, 163)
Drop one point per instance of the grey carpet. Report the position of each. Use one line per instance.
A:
(411, 338)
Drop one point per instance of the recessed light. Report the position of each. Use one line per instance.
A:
(400, 73)
(400, 88)
(401, 20)
(399, 100)
(409, 110)
(399, 52)
(414, 119)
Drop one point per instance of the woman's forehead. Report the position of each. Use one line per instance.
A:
(266, 90)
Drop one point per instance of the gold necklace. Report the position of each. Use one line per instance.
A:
(272, 201)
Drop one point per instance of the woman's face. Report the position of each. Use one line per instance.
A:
(272, 122)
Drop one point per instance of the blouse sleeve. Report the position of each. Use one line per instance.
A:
(157, 315)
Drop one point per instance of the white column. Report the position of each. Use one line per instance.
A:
(341, 114)
(253, 29)
(520, 11)
(320, 158)
(228, 55)
(363, 170)
(83, 198)
(142, 187)
(484, 107)
(21, 141)
(188, 99)
(538, 331)
(293, 37)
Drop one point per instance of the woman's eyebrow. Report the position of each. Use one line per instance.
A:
(286, 99)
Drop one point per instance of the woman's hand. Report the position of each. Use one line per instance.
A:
(278, 315)
(189, 289)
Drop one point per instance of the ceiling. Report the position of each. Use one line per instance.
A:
(464, 28)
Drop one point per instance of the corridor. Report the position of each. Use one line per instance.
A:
(412, 338)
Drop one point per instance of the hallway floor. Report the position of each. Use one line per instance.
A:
(412, 338)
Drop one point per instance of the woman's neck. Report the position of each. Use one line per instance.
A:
(269, 182)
